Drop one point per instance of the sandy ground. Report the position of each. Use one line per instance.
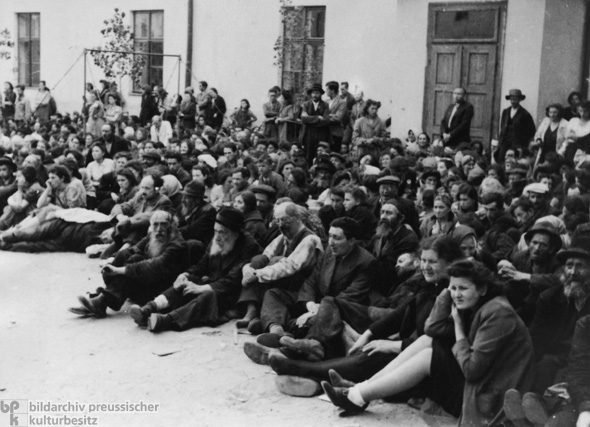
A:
(50, 355)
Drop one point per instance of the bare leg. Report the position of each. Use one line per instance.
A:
(424, 342)
(407, 375)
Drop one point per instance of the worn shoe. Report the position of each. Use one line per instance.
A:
(158, 322)
(297, 386)
(257, 353)
(312, 349)
(95, 306)
(269, 340)
(534, 409)
(513, 408)
(339, 397)
(284, 365)
(81, 311)
(255, 326)
(140, 314)
(338, 381)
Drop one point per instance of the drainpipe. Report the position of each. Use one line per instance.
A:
(189, 43)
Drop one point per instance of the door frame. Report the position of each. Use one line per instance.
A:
(501, 6)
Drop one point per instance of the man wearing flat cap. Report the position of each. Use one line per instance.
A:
(315, 116)
(517, 127)
(389, 189)
(265, 201)
(206, 291)
(533, 270)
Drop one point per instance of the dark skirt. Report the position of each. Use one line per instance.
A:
(446, 378)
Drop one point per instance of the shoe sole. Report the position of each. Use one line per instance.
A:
(269, 340)
(295, 346)
(137, 315)
(513, 405)
(534, 410)
(297, 386)
(257, 353)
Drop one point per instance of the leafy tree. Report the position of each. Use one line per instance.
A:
(6, 44)
(118, 37)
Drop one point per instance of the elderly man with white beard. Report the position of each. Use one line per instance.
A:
(206, 291)
(141, 271)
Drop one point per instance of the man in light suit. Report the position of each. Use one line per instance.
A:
(517, 127)
(456, 123)
(338, 115)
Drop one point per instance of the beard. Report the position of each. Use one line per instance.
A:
(187, 208)
(221, 248)
(386, 227)
(157, 245)
(576, 288)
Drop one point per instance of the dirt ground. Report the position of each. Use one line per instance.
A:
(50, 355)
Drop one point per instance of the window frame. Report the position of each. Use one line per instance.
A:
(29, 73)
(151, 42)
(304, 40)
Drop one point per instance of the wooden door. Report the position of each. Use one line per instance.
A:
(465, 45)
(478, 77)
(444, 75)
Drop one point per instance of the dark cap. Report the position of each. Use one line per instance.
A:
(231, 218)
(264, 189)
(545, 228)
(194, 189)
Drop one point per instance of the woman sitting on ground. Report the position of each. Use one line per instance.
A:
(491, 353)
(245, 202)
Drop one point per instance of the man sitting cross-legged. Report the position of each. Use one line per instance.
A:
(200, 296)
(143, 270)
(283, 267)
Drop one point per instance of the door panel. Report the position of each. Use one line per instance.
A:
(478, 78)
(443, 76)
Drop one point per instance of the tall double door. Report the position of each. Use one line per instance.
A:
(464, 50)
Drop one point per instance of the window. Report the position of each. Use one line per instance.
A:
(29, 48)
(148, 30)
(303, 48)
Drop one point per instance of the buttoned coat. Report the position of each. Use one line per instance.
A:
(351, 278)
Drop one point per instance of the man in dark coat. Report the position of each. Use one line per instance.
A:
(391, 239)
(111, 142)
(149, 106)
(389, 188)
(517, 127)
(456, 123)
(315, 116)
(558, 309)
(532, 270)
(345, 271)
(142, 271)
(207, 290)
(218, 109)
(198, 216)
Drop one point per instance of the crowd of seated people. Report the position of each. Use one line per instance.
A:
(367, 266)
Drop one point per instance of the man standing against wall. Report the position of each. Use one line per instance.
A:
(456, 123)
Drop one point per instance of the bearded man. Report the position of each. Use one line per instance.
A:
(141, 271)
(202, 295)
(392, 238)
(558, 309)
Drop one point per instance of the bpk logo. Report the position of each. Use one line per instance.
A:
(17, 411)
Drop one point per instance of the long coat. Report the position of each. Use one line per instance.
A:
(225, 272)
(315, 127)
(497, 355)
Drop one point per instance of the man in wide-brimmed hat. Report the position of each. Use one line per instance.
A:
(533, 270)
(316, 120)
(517, 126)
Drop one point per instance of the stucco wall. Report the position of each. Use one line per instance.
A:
(561, 67)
